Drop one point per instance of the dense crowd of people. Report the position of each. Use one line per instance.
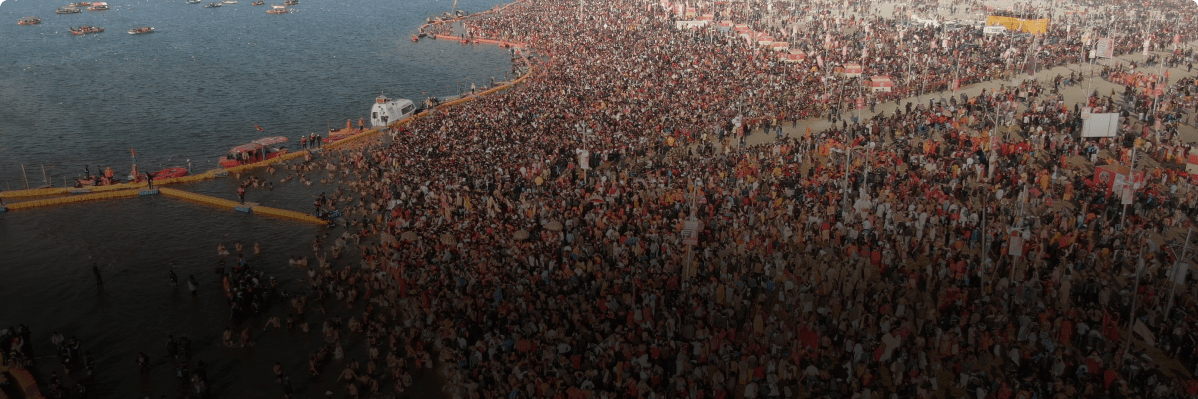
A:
(966, 252)
(605, 230)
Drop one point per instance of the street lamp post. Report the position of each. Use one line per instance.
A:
(1173, 276)
(848, 157)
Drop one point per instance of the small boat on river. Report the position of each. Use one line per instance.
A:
(255, 151)
(83, 30)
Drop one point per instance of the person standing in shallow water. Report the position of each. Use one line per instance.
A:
(191, 284)
(143, 362)
(174, 279)
(96, 271)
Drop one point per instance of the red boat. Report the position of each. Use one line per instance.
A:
(256, 151)
(167, 173)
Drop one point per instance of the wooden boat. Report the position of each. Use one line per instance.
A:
(83, 30)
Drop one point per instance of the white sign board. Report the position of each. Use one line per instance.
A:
(1106, 48)
(690, 233)
(1015, 248)
(690, 24)
(1179, 274)
(584, 159)
(1101, 125)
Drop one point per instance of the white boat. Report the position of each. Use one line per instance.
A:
(141, 30)
(386, 111)
(229, 2)
(212, 5)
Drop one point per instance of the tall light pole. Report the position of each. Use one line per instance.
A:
(848, 157)
(1173, 276)
(1134, 296)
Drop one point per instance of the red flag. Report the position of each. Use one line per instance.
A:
(133, 151)
(257, 127)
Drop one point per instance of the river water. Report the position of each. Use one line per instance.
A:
(190, 91)
(197, 86)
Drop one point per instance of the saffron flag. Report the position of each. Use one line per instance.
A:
(133, 151)
(257, 127)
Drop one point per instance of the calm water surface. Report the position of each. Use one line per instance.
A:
(190, 91)
(197, 86)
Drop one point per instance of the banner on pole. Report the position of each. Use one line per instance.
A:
(1015, 248)
(690, 233)
(1106, 48)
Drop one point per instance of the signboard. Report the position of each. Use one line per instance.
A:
(956, 84)
(1179, 274)
(1037, 26)
(1106, 48)
(690, 24)
(1192, 162)
(1127, 195)
(793, 57)
(690, 233)
(584, 159)
(881, 83)
(860, 103)
(1015, 248)
(1101, 125)
(852, 70)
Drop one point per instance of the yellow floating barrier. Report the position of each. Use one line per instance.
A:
(37, 192)
(73, 199)
(234, 205)
(286, 214)
(200, 198)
